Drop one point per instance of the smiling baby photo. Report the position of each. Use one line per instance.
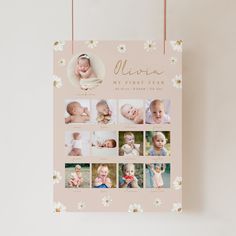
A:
(131, 111)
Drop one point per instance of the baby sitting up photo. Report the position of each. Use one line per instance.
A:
(155, 113)
(103, 112)
(76, 178)
(132, 113)
(102, 180)
(83, 69)
(158, 145)
(130, 148)
(128, 180)
(77, 113)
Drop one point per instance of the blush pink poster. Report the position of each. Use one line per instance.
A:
(117, 126)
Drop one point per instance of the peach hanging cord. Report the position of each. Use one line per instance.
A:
(164, 39)
(72, 26)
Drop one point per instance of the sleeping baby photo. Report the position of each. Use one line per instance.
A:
(77, 143)
(104, 143)
(103, 111)
(157, 111)
(131, 111)
(77, 111)
(86, 71)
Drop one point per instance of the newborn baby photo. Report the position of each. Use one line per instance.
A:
(131, 143)
(103, 175)
(104, 111)
(130, 175)
(86, 71)
(77, 175)
(158, 143)
(77, 111)
(104, 143)
(131, 111)
(157, 111)
(77, 143)
(157, 175)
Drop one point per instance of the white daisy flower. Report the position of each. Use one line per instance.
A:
(177, 207)
(135, 208)
(59, 45)
(56, 177)
(81, 205)
(157, 202)
(177, 81)
(62, 62)
(177, 45)
(173, 60)
(92, 43)
(121, 48)
(149, 45)
(177, 183)
(57, 82)
(106, 201)
(59, 207)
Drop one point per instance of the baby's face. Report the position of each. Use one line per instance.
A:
(103, 109)
(129, 139)
(77, 170)
(77, 109)
(103, 172)
(129, 112)
(83, 65)
(108, 144)
(159, 142)
(158, 169)
(129, 171)
(157, 112)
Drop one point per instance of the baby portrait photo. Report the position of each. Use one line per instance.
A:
(77, 175)
(104, 143)
(130, 175)
(104, 111)
(104, 175)
(131, 111)
(86, 71)
(157, 175)
(157, 111)
(77, 143)
(77, 111)
(158, 143)
(130, 143)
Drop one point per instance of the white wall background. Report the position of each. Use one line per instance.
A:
(28, 28)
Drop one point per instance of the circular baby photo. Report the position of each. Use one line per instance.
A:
(86, 71)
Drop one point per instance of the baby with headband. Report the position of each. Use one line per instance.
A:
(83, 69)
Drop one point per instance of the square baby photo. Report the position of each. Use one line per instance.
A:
(104, 143)
(157, 175)
(130, 175)
(158, 143)
(77, 175)
(131, 111)
(77, 143)
(104, 175)
(157, 111)
(77, 111)
(131, 143)
(104, 111)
